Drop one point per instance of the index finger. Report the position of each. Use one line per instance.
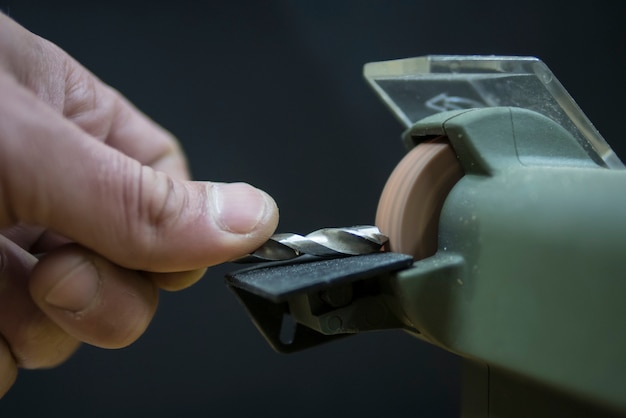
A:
(104, 113)
(81, 97)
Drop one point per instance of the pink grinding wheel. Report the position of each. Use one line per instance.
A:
(410, 204)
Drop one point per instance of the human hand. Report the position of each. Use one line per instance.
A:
(100, 191)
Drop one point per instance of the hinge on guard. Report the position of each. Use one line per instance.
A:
(297, 306)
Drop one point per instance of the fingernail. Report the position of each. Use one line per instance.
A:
(239, 207)
(76, 288)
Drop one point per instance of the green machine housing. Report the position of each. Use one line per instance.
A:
(528, 283)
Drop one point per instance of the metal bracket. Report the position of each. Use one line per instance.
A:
(296, 306)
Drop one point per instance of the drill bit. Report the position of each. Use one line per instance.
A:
(324, 243)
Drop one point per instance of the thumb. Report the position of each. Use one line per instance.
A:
(55, 175)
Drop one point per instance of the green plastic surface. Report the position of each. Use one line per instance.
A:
(529, 274)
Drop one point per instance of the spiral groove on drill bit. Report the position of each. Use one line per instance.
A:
(326, 243)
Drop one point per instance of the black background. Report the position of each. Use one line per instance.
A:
(271, 92)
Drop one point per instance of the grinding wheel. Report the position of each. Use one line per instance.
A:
(410, 204)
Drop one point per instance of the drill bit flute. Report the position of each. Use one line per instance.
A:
(325, 243)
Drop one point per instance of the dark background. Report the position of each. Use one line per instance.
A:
(271, 92)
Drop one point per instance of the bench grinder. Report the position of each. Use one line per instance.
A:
(507, 225)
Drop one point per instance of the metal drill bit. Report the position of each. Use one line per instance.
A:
(326, 243)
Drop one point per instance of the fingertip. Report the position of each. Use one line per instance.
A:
(74, 284)
(176, 281)
(240, 208)
(92, 299)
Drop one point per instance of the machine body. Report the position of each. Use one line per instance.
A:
(528, 276)
(525, 279)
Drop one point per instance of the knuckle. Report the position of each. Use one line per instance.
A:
(163, 201)
(153, 204)
(86, 102)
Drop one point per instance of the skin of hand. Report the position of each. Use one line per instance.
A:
(101, 194)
